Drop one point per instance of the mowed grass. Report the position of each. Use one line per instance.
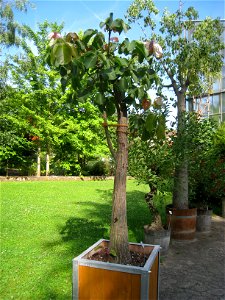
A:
(45, 224)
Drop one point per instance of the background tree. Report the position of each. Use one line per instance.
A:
(81, 138)
(114, 75)
(9, 28)
(39, 115)
(16, 149)
(207, 167)
(188, 64)
(38, 86)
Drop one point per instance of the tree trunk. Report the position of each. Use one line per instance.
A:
(180, 192)
(119, 230)
(47, 164)
(39, 162)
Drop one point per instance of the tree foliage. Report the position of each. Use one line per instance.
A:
(9, 28)
(192, 58)
(207, 164)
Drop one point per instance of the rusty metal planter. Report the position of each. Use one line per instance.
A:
(96, 280)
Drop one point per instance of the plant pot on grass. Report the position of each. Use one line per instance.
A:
(204, 219)
(94, 279)
(155, 233)
(158, 237)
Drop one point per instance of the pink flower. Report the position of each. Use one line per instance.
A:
(114, 39)
(54, 35)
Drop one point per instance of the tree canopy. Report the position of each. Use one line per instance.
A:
(192, 58)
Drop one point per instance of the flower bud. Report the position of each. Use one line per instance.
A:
(54, 35)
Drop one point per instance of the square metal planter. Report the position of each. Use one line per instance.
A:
(96, 280)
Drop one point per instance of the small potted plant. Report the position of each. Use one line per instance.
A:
(156, 233)
(202, 203)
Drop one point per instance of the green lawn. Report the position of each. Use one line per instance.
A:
(44, 224)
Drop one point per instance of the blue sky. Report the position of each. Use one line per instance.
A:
(78, 15)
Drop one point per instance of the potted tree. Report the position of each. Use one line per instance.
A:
(150, 161)
(193, 56)
(112, 75)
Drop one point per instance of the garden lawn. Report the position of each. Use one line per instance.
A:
(45, 224)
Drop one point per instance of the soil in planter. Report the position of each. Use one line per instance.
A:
(137, 259)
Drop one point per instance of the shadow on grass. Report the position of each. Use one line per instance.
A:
(77, 228)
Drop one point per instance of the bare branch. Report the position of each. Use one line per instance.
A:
(173, 82)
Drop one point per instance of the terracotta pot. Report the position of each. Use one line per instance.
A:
(158, 237)
(204, 220)
(110, 281)
(182, 223)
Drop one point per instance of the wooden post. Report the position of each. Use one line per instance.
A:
(47, 164)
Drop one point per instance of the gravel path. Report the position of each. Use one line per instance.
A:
(195, 270)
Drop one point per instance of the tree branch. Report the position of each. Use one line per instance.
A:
(173, 82)
(168, 85)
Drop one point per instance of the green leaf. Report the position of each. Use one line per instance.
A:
(139, 51)
(141, 93)
(134, 77)
(119, 25)
(75, 82)
(99, 99)
(61, 54)
(88, 35)
(80, 45)
(62, 71)
(99, 40)
(63, 83)
(123, 84)
(151, 122)
(145, 135)
(160, 130)
(121, 61)
(90, 59)
(72, 37)
(103, 58)
(129, 100)
(131, 46)
(110, 74)
(110, 107)
(124, 47)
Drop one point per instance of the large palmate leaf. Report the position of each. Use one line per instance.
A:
(151, 122)
(62, 54)
(89, 59)
(160, 130)
(139, 50)
(88, 34)
(119, 25)
(99, 99)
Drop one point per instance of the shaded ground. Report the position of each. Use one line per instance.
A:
(195, 270)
